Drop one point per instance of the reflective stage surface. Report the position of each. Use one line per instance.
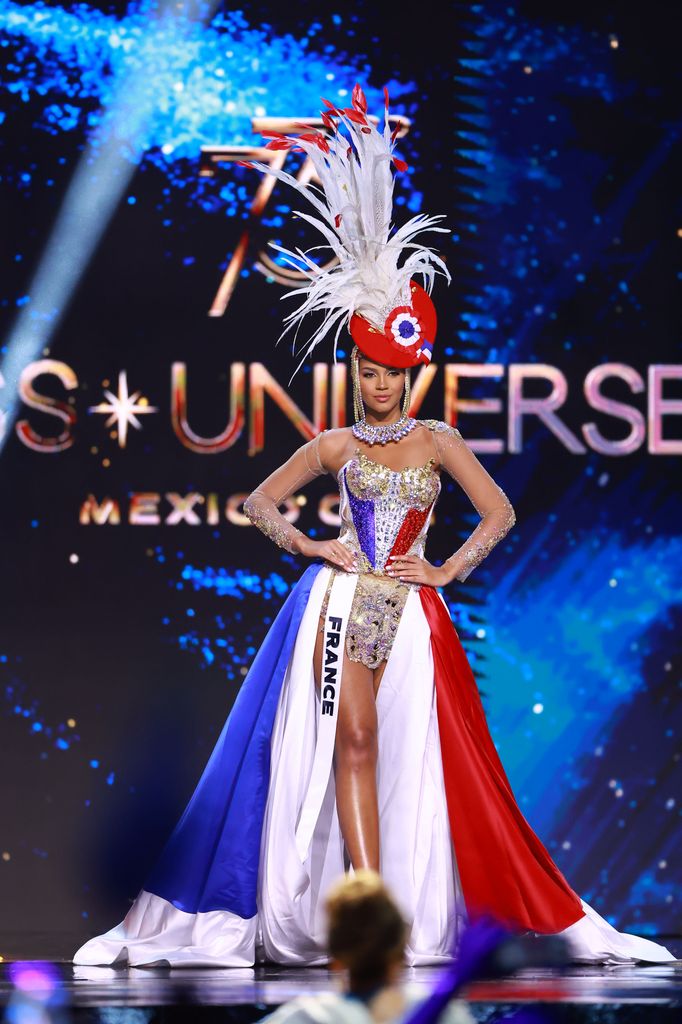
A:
(643, 993)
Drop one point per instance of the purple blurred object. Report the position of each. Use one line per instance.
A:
(489, 950)
(480, 940)
(37, 978)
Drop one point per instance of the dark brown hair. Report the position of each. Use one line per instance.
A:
(366, 931)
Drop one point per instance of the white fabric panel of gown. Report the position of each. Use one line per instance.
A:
(417, 860)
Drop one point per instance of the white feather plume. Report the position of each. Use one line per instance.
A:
(353, 214)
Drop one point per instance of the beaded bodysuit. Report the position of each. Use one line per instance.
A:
(386, 512)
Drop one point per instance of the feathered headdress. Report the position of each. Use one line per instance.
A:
(370, 290)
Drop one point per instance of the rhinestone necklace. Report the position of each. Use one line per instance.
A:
(384, 433)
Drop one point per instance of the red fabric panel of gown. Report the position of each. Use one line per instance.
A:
(410, 529)
(504, 868)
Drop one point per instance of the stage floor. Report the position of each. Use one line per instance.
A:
(640, 993)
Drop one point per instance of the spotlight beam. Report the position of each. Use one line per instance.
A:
(100, 179)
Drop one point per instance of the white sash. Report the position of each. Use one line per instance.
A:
(335, 623)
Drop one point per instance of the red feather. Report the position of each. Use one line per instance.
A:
(367, 131)
(400, 164)
(353, 115)
(280, 144)
(394, 133)
(337, 219)
(386, 97)
(359, 99)
(244, 163)
(317, 138)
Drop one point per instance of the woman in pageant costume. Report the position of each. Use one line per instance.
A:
(358, 738)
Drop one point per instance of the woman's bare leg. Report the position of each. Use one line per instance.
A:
(355, 761)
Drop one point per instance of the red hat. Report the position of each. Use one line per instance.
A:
(408, 335)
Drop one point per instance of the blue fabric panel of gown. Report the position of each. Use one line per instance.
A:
(362, 511)
(211, 860)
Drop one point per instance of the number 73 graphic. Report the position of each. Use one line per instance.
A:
(212, 157)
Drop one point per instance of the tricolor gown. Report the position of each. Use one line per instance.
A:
(243, 876)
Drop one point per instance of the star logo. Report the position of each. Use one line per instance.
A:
(124, 408)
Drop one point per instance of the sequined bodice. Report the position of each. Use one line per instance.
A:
(385, 511)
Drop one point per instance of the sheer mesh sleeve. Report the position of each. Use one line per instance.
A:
(489, 500)
(262, 505)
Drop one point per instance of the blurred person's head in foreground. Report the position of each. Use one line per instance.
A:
(366, 940)
(366, 933)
